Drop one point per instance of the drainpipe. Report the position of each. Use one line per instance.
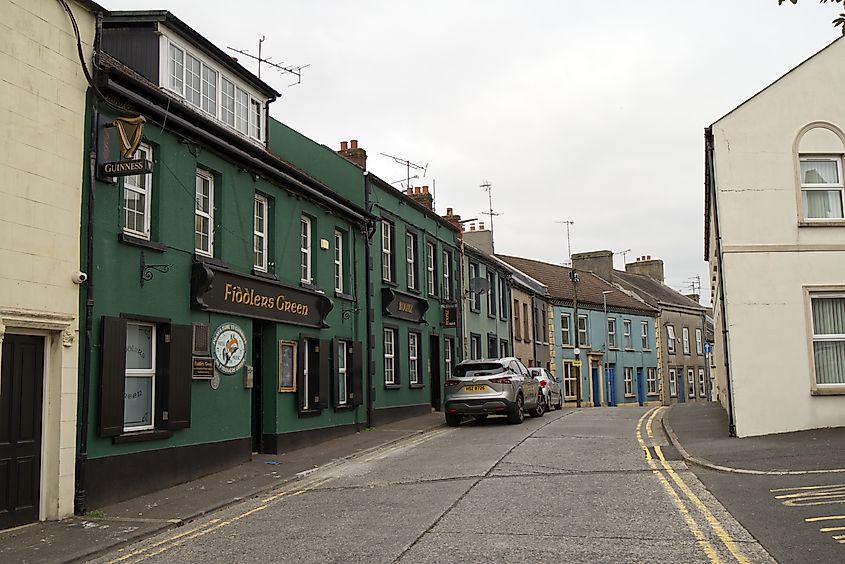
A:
(708, 142)
(79, 499)
(368, 287)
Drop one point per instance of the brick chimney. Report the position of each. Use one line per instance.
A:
(597, 262)
(454, 219)
(422, 196)
(645, 265)
(353, 153)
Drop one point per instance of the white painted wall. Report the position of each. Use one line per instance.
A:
(42, 110)
(768, 257)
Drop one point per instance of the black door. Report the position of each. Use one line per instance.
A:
(21, 384)
(257, 376)
(434, 371)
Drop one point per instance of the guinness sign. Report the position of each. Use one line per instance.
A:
(129, 133)
(126, 168)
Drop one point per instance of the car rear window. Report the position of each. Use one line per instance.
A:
(478, 369)
(536, 371)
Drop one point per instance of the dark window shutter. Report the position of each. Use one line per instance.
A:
(113, 376)
(336, 372)
(356, 397)
(179, 377)
(302, 353)
(322, 400)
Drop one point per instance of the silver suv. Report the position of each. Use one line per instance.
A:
(491, 387)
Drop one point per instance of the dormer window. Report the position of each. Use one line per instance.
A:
(206, 88)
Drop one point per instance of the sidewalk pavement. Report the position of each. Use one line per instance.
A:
(108, 528)
(700, 432)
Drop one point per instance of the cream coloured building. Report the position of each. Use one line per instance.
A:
(42, 129)
(775, 241)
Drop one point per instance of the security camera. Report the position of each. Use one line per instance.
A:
(79, 277)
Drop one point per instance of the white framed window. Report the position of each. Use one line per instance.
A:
(821, 188)
(193, 80)
(570, 380)
(209, 90)
(517, 324)
(691, 382)
(255, 118)
(411, 260)
(503, 298)
(259, 233)
(565, 335)
(685, 333)
(338, 262)
(137, 193)
(492, 294)
(474, 297)
(227, 102)
(176, 69)
(526, 324)
(430, 273)
(611, 333)
(241, 111)
(305, 249)
(626, 334)
(699, 344)
(413, 359)
(139, 394)
(701, 383)
(204, 214)
(389, 358)
(828, 320)
(628, 375)
(651, 381)
(644, 335)
(503, 348)
(448, 347)
(386, 251)
(670, 339)
(673, 383)
(475, 347)
(342, 381)
(583, 335)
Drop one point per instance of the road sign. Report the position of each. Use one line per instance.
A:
(707, 348)
(576, 363)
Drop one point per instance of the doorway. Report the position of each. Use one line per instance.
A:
(434, 370)
(257, 380)
(610, 380)
(21, 387)
(596, 384)
(640, 387)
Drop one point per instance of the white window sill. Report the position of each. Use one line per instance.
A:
(822, 223)
(828, 391)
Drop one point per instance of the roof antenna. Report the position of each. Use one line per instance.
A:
(294, 70)
(408, 166)
(487, 187)
(568, 222)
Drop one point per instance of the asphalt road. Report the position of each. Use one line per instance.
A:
(588, 486)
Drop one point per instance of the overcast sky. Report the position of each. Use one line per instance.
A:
(575, 110)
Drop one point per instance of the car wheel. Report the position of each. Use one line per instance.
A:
(559, 401)
(517, 416)
(540, 410)
(453, 419)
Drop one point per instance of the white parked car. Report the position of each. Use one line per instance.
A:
(549, 387)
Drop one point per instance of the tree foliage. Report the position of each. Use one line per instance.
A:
(839, 21)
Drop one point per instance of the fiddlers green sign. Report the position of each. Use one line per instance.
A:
(219, 290)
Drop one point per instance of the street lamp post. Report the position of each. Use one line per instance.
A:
(604, 294)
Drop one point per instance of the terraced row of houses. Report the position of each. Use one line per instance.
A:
(194, 281)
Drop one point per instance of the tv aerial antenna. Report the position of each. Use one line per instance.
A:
(624, 255)
(568, 223)
(408, 166)
(295, 70)
(487, 187)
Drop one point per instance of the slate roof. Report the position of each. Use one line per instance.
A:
(653, 292)
(590, 286)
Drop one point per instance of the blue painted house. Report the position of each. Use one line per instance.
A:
(616, 359)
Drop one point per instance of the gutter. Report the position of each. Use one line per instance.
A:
(711, 169)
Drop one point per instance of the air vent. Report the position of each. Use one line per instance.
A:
(201, 339)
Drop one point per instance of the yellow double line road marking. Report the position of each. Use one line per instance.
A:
(212, 525)
(714, 523)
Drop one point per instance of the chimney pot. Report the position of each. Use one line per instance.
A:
(472, 227)
(448, 211)
(425, 189)
(648, 257)
(354, 143)
(344, 145)
(481, 226)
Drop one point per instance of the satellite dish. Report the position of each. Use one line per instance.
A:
(479, 285)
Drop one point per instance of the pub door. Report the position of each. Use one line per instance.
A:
(21, 386)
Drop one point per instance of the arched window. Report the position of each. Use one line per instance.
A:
(820, 151)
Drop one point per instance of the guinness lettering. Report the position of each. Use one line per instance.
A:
(126, 168)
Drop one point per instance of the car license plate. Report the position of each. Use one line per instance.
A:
(475, 388)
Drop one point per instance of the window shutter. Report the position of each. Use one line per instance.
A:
(356, 397)
(336, 373)
(302, 352)
(179, 377)
(322, 400)
(113, 376)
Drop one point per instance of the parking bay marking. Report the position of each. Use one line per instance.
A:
(802, 496)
